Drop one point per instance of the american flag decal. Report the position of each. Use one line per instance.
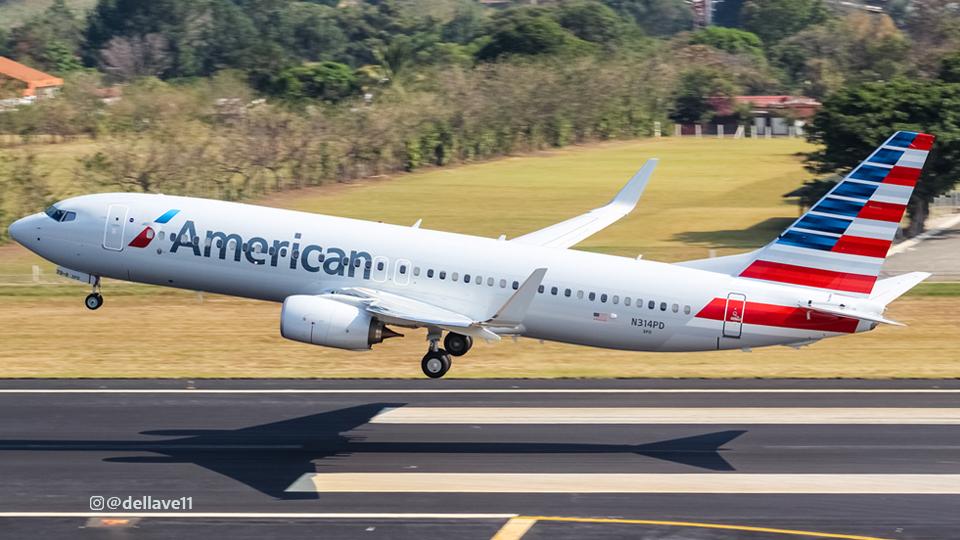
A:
(602, 317)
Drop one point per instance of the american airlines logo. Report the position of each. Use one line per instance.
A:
(260, 251)
(146, 236)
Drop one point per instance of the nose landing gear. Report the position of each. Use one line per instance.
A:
(94, 300)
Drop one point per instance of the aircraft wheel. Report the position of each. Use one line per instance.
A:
(93, 301)
(457, 344)
(435, 364)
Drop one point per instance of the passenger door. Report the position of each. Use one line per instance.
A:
(733, 315)
(114, 227)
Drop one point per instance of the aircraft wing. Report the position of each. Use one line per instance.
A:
(574, 230)
(397, 309)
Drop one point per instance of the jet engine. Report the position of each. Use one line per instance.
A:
(321, 321)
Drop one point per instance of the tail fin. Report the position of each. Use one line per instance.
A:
(841, 242)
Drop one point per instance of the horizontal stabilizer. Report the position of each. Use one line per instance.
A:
(888, 290)
(844, 311)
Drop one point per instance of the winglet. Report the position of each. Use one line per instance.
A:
(513, 311)
(630, 194)
(574, 230)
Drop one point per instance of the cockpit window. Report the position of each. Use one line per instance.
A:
(57, 214)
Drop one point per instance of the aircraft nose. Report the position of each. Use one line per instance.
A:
(20, 229)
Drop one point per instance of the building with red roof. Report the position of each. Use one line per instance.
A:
(35, 82)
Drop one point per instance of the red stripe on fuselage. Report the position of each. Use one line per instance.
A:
(782, 317)
(810, 277)
(882, 211)
(858, 245)
(903, 176)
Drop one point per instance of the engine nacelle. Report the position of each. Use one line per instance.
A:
(321, 321)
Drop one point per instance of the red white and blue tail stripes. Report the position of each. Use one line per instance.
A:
(841, 243)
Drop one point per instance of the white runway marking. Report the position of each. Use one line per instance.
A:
(716, 483)
(483, 391)
(252, 515)
(665, 415)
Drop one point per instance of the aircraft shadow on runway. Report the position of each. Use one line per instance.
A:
(270, 457)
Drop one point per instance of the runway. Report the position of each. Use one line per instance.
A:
(499, 459)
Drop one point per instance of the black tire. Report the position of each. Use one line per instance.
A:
(435, 364)
(93, 301)
(457, 344)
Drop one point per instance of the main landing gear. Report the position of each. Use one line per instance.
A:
(94, 300)
(437, 361)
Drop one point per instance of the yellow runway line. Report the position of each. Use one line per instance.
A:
(515, 528)
(743, 528)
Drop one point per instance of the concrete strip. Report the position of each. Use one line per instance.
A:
(939, 227)
(717, 483)
(663, 415)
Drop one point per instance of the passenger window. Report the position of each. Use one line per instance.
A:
(443, 274)
(416, 270)
(380, 267)
(626, 301)
(616, 299)
(540, 289)
(553, 291)
(466, 278)
(651, 305)
(403, 269)
(686, 310)
(566, 292)
(503, 284)
(454, 276)
(593, 296)
(429, 272)
(603, 298)
(516, 285)
(663, 306)
(580, 295)
(489, 282)
(675, 308)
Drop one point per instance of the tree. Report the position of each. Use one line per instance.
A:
(731, 40)
(592, 21)
(857, 119)
(126, 58)
(774, 20)
(327, 81)
(656, 17)
(691, 103)
(49, 40)
(528, 31)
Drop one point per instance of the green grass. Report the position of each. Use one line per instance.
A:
(935, 289)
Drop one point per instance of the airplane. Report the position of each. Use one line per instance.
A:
(348, 283)
(293, 447)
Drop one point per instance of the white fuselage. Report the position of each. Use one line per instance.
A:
(587, 298)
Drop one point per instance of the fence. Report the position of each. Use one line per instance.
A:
(733, 131)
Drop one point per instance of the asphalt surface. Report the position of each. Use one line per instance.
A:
(939, 255)
(235, 447)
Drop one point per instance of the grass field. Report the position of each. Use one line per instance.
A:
(16, 12)
(706, 194)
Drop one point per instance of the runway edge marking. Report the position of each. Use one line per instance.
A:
(255, 515)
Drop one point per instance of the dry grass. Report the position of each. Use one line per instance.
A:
(178, 336)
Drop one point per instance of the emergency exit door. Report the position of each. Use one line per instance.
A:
(733, 315)
(113, 228)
